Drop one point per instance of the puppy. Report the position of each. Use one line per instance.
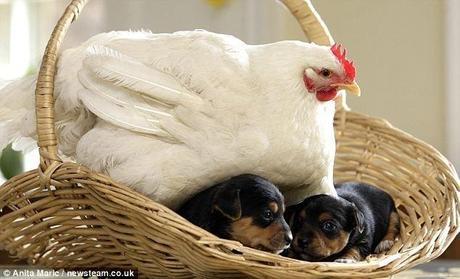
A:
(246, 208)
(347, 228)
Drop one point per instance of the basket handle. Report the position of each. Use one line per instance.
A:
(311, 23)
(44, 99)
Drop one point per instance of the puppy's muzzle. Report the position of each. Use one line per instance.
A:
(283, 238)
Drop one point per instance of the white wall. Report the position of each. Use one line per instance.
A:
(242, 18)
(452, 58)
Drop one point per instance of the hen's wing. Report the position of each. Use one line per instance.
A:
(127, 93)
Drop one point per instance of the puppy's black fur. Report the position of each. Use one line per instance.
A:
(246, 208)
(362, 220)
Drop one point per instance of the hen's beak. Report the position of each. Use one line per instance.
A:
(352, 88)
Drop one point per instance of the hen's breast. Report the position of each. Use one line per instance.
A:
(302, 150)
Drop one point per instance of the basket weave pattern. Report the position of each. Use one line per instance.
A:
(63, 215)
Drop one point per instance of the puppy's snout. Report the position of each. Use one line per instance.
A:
(288, 237)
(303, 243)
(287, 232)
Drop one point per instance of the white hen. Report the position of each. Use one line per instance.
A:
(170, 114)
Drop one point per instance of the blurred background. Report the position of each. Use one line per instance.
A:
(407, 52)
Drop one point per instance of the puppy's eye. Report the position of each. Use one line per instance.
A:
(328, 227)
(325, 73)
(267, 215)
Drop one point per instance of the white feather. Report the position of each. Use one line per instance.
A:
(17, 115)
(129, 94)
(124, 71)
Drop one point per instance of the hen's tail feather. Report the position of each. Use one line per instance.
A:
(17, 115)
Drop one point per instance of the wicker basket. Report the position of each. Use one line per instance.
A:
(65, 216)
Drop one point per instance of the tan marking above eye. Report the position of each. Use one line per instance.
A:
(325, 216)
(274, 207)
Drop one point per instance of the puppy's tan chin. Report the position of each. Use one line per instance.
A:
(273, 246)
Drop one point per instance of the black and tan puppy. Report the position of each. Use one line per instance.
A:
(360, 221)
(246, 208)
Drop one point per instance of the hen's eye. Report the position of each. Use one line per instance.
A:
(328, 227)
(325, 73)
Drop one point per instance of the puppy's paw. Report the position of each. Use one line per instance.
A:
(384, 246)
(345, 261)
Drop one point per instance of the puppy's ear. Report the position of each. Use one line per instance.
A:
(227, 201)
(292, 213)
(358, 218)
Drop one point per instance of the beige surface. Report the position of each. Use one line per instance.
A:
(438, 269)
(398, 48)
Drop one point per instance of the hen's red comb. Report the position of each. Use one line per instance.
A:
(347, 65)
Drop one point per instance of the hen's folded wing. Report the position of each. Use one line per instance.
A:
(132, 95)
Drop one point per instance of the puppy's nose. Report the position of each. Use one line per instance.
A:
(303, 243)
(288, 237)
